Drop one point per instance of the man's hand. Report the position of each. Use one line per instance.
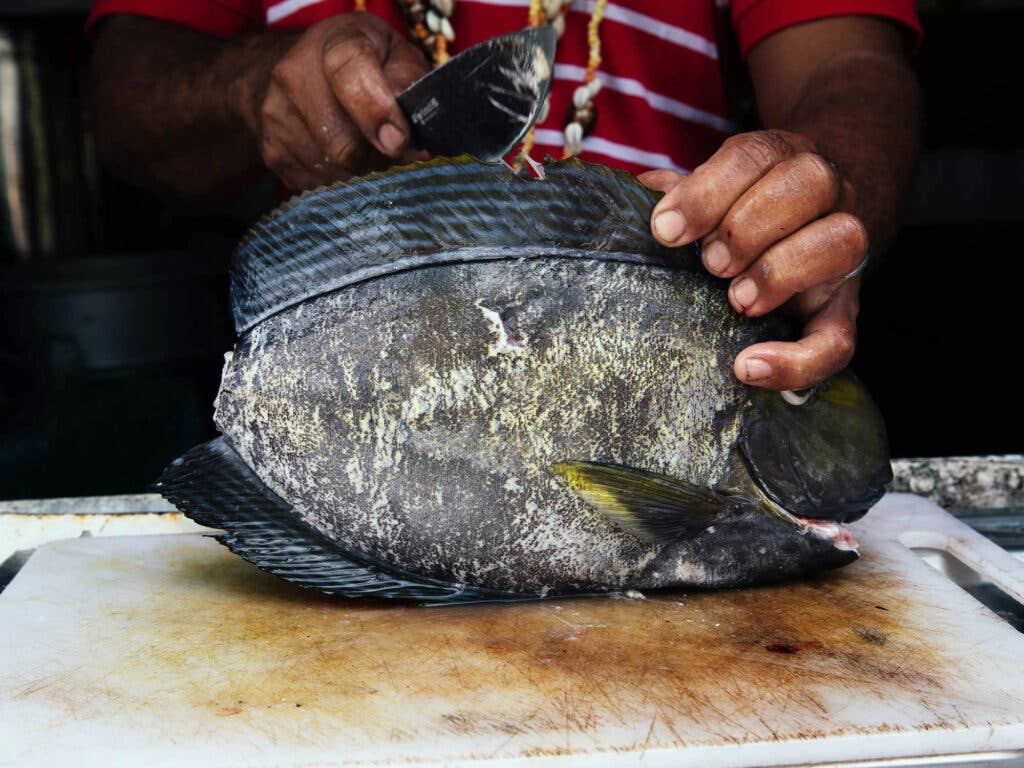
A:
(202, 117)
(328, 111)
(773, 216)
(777, 215)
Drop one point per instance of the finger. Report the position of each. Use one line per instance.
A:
(660, 180)
(352, 66)
(287, 139)
(820, 254)
(697, 204)
(313, 101)
(364, 159)
(793, 193)
(292, 173)
(827, 347)
(404, 64)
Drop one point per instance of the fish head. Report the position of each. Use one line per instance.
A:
(820, 454)
(751, 547)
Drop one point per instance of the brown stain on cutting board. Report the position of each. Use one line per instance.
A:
(258, 655)
(87, 517)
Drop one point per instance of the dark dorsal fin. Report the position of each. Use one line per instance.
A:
(653, 507)
(216, 488)
(441, 211)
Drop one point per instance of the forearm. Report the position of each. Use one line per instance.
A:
(176, 109)
(860, 108)
(862, 112)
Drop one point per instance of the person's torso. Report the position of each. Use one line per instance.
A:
(662, 104)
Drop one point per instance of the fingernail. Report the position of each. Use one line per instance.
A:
(758, 369)
(390, 138)
(744, 292)
(669, 226)
(716, 257)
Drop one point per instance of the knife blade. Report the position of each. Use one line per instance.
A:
(484, 100)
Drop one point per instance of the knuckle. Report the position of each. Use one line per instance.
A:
(699, 208)
(284, 72)
(779, 141)
(339, 57)
(819, 171)
(851, 231)
(844, 342)
(760, 150)
(268, 111)
(824, 359)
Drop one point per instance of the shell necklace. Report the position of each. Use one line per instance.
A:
(429, 23)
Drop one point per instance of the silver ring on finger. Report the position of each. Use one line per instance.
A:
(859, 268)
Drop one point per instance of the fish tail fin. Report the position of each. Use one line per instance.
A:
(214, 486)
(653, 507)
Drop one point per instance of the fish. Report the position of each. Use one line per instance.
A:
(454, 383)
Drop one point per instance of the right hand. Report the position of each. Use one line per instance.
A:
(329, 109)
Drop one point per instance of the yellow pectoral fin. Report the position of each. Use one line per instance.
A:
(653, 507)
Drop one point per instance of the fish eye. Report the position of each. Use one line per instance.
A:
(797, 396)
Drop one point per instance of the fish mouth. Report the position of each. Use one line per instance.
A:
(837, 534)
(832, 531)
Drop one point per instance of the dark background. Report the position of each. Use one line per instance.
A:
(114, 312)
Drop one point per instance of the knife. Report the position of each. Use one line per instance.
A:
(484, 100)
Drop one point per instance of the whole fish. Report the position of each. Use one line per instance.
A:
(454, 383)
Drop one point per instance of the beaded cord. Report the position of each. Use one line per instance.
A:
(429, 23)
(582, 113)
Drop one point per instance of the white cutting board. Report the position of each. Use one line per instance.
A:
(160, 650)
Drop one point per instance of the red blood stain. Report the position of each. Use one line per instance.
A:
(782, 648)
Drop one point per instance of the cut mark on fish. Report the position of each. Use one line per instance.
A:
(506, 343)
(836, 533)
(537, 168)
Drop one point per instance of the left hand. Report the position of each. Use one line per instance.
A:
(774, 217)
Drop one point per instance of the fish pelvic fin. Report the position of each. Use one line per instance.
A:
(655, 508)
(214, 486)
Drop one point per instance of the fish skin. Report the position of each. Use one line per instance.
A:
(415, 418)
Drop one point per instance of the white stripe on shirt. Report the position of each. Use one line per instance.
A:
(654, 100)
(653, 26)
(648, 24)
(278, 11)
(552, 138)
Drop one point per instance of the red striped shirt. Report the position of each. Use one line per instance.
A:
(663, 103)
